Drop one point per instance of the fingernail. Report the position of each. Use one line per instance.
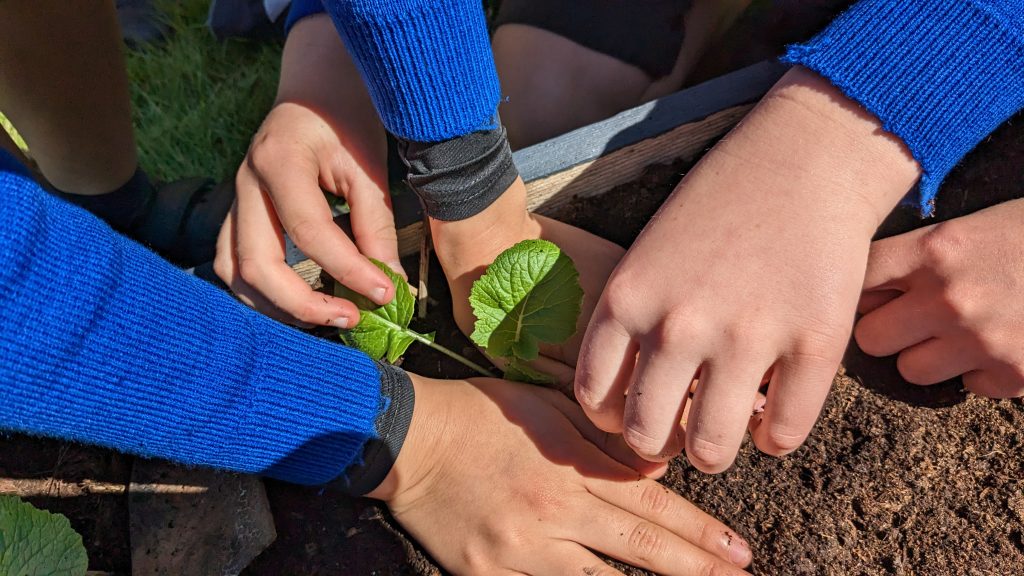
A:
(739, 550)
(397, 267)
(341, 322)
(379, 295)
(759, 405)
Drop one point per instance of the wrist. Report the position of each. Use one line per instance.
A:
(500, 225)
(816, 142)
(428, 435)
(318, 73)
(459, 178)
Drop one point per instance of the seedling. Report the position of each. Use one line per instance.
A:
(383, 331)
(529, 295)
(35, 542)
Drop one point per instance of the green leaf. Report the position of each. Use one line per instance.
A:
(383, 331)
(35, 542)
(530, 294)
(522, 372)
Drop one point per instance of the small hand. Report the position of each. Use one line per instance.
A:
(465, 249)
(522, 483)
(323, 134)
(949, 299)
(750, 271)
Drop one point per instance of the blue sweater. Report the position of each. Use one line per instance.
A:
(939, 74)
(103, 342)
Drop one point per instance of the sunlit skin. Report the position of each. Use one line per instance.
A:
(769, 237)
(323, 132)
(465, 436)
(554, 84)
(82, 140)
(529, 486)
(948, 300)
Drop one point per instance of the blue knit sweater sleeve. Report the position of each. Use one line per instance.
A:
(939, 74)
(103, 342)
(299, 9)
(427, 64)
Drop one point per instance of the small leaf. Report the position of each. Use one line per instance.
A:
(382, 331)
(522, 372)
(35, 542)
(530, 294)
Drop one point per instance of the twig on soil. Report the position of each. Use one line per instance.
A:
(421, 294)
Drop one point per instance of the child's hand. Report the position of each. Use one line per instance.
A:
(322, 133)
(465, 249)
(949, 299)
(752, 267)
(503, 478)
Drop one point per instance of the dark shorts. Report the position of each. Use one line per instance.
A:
(645, 33)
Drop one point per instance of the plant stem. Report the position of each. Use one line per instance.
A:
(454, 356)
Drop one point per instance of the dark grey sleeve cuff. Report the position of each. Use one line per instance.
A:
(459, 178)
(392, 425)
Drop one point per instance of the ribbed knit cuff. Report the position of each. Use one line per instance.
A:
(427, 64)
(939, 74)
(392, 425)
(299, 9)
(459, 178)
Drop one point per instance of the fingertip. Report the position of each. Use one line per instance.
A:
(708, 460)
(344, 316)
(647, 447)
(382, 295)
(769, 440)
(397, 268)
(863, 335)
(738, 549)
(654, 470)
(326, 310)
(905, 365)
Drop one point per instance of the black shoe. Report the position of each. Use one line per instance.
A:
(141, 22)
(183, 219)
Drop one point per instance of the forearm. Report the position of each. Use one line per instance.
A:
(103, 342)
(810, 144)
(939, 75)
(317, 71)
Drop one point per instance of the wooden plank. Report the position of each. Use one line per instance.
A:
(595, 177)
(593, 159)
(647, 121)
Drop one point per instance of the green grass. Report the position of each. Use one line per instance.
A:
(197, 102)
